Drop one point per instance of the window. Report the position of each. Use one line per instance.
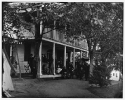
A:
(116, 75)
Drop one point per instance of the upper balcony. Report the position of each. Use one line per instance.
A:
(58, 36)
(28, 32)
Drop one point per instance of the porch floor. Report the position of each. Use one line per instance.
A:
(29, 75)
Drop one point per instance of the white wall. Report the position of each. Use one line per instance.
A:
(20, 52)
(21, 58)
(84, 44)
(115, 75)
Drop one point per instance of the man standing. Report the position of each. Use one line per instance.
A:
(30, 62)
(87, 67)
(35, 64)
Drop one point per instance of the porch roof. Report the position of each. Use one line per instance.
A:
(64, 44)
(56, 42)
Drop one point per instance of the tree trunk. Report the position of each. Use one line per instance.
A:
(91, 61)
(91, 53)
(38, 41)
(36, 53)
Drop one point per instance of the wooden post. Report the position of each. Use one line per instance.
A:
(65, 56)
(54, 58)
(11, 50)
(39, 72)
(74, 57)
(70, 56)
(81, 54)
(87, 53)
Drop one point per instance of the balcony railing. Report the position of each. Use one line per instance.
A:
(57, 36)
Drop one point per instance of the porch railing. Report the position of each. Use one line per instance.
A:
(57, 36)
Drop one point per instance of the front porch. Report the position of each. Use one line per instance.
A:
(59, 52)
(53, 50)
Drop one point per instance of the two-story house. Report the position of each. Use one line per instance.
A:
(55, 50)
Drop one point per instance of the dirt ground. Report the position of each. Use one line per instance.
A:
(60, 88)
(108, 92)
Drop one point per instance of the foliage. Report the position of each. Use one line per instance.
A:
(101, 24)
(116, 62)
(101, 75)
(95, 21)
(24, 14)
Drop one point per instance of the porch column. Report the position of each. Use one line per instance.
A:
(70, 56)
(65, 56)
(87, 53)
(11, 50)
(39, 72)
(81, 54)
(54, 58)
(74, 57)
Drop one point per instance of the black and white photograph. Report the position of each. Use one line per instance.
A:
(62, 49)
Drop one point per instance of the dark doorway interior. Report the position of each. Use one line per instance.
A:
(27, 50)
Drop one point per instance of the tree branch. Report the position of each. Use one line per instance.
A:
(30, 15)
(108, 49)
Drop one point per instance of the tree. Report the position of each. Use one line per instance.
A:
(32, 13)
(100, 23)
(101, 75)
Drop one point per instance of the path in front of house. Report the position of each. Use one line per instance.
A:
(61, 88)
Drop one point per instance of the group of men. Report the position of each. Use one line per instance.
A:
(81, 70)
